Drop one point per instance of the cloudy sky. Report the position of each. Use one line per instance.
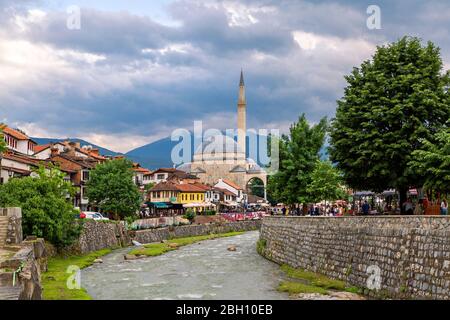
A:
(136, 70)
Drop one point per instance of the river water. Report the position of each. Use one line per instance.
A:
(204, 270)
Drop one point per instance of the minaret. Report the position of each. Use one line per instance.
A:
(242, 105)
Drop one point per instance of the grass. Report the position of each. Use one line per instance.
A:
(310, 282)
(260, 246)
(156, 249)
(54, 281)
(297, 287)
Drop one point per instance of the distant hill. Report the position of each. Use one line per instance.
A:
(102, 151)
(154, 155)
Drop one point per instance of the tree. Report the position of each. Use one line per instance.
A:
(391, 105)
(111, 188)
(256, 187)
(149, 186)
(433, 161)
(326, 183)
(298, 154)
(46, 205)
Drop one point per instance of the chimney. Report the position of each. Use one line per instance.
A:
(70, 149)
(54, 151)
(95, 152)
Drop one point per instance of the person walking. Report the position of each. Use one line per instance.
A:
(409, 207)
(444, 208)
(365, 208)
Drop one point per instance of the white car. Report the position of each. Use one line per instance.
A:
(94, 215)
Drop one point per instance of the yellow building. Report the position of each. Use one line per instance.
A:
(191, 196)
(167, 195)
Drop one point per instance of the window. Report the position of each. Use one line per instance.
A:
(85, 175)
(83, 193)
(160, 176)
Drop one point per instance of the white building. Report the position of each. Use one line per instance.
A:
(238, 192)
(17, 160)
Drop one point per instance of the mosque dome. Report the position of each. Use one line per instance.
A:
(218, 144)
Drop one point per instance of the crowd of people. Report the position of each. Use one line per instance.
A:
(365, 207)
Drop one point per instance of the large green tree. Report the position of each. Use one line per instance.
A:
(433, 161)
(111, 188)
(299, 151)
(47, 210)
(392, 103)
(326, 183)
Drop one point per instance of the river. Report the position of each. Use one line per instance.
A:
(204, 270)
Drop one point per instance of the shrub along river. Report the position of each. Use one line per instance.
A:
(204, 270)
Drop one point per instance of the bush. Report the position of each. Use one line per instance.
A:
(210, 212)
(190, 215)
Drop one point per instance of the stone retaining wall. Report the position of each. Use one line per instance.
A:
(411, 254)
(97, 235)
(20, 275)
(14, 228)
(157, 235)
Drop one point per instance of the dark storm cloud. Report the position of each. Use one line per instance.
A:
(127, 74)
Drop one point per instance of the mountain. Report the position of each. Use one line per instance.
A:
(154, 155)
(102, 151)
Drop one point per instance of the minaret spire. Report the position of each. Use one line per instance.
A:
(242, 106)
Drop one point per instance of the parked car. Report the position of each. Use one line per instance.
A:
(94, 215)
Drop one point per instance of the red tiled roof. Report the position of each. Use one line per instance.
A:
(187, 187)
(169, 170)
(225, 191)
(165, 186)
(39, 148)
(202, 186)
(143, 170)
(21, 158)
(14, 133)
(232, 184)
(91, 154)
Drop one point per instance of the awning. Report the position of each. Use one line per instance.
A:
(363, 194)
(230, 204)
(159, 205)
(194, 205)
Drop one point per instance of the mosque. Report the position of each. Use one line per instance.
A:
(221, 157)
